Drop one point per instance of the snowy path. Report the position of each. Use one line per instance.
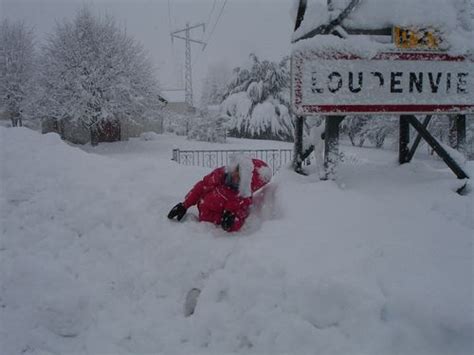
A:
(379, 263)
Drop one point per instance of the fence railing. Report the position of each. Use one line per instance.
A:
(275, 158)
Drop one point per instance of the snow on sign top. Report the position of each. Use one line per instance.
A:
(370, 74)
(386, 13)
(452, 17)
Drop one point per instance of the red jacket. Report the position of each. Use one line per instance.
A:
(213, 196)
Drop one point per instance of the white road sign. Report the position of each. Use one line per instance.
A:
(389, 83)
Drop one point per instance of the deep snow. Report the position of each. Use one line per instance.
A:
(378, 262)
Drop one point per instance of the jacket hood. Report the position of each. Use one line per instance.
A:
(254, 173)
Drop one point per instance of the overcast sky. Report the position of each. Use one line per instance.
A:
(260, 26)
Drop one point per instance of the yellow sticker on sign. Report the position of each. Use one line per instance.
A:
(416, 38)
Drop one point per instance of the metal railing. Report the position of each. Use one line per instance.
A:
(275, 158)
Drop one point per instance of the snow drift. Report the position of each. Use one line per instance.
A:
(379, 263)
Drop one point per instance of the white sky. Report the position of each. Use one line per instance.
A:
(260, 26)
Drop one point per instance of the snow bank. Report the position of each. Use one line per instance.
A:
(149, 136)
(379, 263)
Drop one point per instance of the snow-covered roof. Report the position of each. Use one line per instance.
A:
(451, 17)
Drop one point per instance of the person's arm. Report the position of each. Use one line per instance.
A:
(203, 187)
(236, 212)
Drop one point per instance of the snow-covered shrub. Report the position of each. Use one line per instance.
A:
(470, 134)
(209, 127)
(353, 126)
(149, 136)
(377, 128)
(177, 123)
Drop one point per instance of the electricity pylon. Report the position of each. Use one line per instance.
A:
(188, 64)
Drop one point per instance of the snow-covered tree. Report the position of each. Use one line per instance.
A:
(374, 129)
(215, 84)
(93, 72)
(17, 69)
(257, 100)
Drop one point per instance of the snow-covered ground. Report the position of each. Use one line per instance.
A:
(379, 262)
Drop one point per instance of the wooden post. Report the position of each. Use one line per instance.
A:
(452, 133)
(461, 133)
(404, 140)
(331, 146)
(299, 124)
(298, 154)
(412, 152)
(175, 156)
(443, 154)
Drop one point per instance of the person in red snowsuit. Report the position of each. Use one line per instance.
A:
(224, 196)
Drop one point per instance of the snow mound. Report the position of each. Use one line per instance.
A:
(149, 136)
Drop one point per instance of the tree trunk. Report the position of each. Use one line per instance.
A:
(94, 135)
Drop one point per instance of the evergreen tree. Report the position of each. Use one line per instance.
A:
(257, 100)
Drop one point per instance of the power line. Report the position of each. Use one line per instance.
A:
(169, 16)
(215, 24)
(177, 68)
(212, 11)
(212, 31)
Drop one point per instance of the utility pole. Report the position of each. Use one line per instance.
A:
(188, 64)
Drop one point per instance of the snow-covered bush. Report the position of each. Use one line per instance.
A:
(377, 128)
(17, 70)
(374, 129)
(470, 134)
(209, 126)
(441, 127)
(257, 100)
(176, 122)
(92, 72)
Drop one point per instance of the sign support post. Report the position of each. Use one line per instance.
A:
(443, 154)
(331, 146)
(298, 154)
(460, 130)
(299, 124)
(417, 140)
(404, 140)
